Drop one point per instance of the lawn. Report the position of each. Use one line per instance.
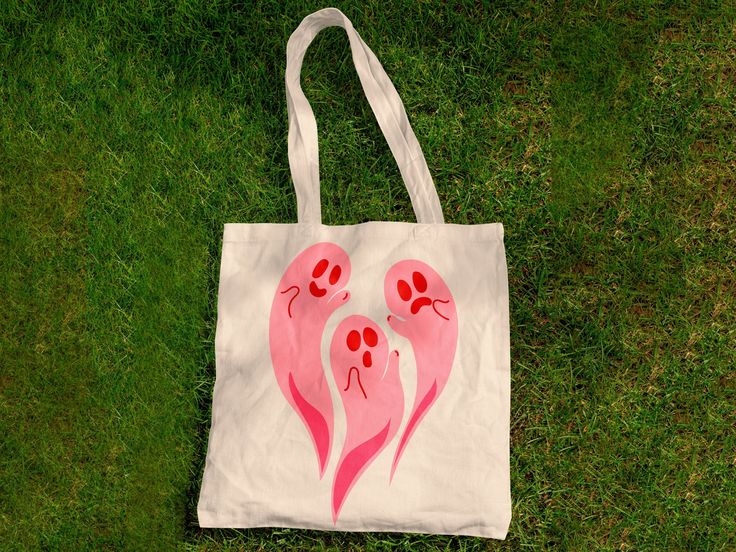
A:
(602, 135)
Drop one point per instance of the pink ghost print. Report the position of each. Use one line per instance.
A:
(423, 311)
(310, 290)
(367, 377)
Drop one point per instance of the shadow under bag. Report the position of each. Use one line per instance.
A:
(362, 371)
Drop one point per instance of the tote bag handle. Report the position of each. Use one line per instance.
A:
(386, 105)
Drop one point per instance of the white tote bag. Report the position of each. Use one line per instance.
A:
(362, 371)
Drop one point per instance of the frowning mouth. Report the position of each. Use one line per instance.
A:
(420, 302)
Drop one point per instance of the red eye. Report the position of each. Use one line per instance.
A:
(420, 282)
(320, 268)
(335, 274)
(353, 340)
(367, 360)
(370, 336)
(404, 290)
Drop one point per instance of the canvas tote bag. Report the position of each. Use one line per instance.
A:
(362, 371)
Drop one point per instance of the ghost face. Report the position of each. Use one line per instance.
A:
(314, 282)
(413, 290)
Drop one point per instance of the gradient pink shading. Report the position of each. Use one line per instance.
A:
(367, 378)
(423, 311)
(310, 290)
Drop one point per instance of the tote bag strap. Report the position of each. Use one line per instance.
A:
(386, 105)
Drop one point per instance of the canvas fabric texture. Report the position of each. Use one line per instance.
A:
(362, 371)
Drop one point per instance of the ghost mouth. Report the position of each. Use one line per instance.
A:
(417, 304)
(434, 306)
(315, 290)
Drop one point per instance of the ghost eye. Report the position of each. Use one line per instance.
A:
(420, 282)
(320, 268)
(335, 274)
(370, 337)
(353, 340)
(404, 290)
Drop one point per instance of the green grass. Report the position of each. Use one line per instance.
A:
(600, 134)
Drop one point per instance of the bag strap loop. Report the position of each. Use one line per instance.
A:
(386, 105)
